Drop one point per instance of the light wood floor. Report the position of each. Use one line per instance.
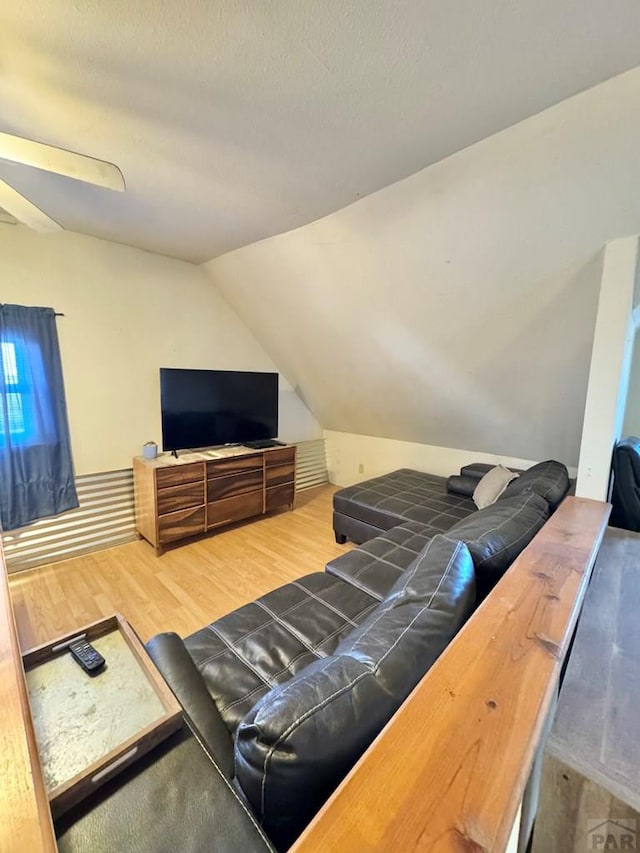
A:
(188, 586)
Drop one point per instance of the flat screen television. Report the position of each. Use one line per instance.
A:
(202, 408)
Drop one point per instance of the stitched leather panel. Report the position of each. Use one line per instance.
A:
(355, 530)
(548, 479)
(400, 496)
(496, 535)
(375, 566)
(263, 644)
(298, 742)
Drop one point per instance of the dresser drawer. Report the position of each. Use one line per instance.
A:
(280, 456)
(180, 497)
(234, 464)
(177, 525)
(234, 484)
(279, 496)
(234, 509)
(176, 475)
(278, 474)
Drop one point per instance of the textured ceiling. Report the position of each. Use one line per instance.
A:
(456, 308)
(238, 119)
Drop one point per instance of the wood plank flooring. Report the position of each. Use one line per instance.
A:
(188, 586)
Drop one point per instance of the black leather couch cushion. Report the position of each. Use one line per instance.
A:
(249, 651)
(548, 479)
(298, 742)
(496, 535)
(457, 484)
(400, 496)
(375, 566)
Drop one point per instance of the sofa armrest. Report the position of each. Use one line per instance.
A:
(459, 484)
(170, 655)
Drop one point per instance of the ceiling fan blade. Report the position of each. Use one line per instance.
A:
(61, 162)
(25, 211)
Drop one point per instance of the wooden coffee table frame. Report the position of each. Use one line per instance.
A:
(66, 794)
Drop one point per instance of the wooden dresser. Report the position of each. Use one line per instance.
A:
(197, 492)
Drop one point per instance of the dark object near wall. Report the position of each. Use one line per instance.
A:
(625, 497)
(201, 408)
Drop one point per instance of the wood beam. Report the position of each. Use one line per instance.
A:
(448, 771)
(25, 817)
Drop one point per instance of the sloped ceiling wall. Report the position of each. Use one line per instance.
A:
(235, 120)
(457, 306)
(126, 314)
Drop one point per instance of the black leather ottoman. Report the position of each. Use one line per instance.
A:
(367, 509)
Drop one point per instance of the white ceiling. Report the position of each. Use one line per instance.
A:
(238, 119)
(456, 308)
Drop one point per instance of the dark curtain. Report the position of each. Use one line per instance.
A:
(36, 470)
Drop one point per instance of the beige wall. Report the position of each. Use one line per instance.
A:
(456, 308)
(353, 458)
(609, 370)
(128, 313)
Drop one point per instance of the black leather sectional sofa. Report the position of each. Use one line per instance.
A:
(298, 683)
(394, 514)
(285, 693)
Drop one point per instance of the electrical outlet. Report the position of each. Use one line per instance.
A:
(361, 468)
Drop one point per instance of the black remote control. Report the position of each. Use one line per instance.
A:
(88, 658)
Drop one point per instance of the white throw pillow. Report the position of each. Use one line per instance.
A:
(492, 485)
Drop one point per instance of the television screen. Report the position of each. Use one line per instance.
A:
(202, 408)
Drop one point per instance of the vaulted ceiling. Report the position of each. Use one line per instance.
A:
(456, 307)
(239, 119)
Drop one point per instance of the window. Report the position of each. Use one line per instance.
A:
(36, 469)
(26, 414)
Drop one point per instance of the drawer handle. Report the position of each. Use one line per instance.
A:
(114, 764)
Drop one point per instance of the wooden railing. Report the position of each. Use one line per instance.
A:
(25, 818)
(449, 771)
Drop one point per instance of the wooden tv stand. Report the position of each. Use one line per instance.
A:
(201, 491)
